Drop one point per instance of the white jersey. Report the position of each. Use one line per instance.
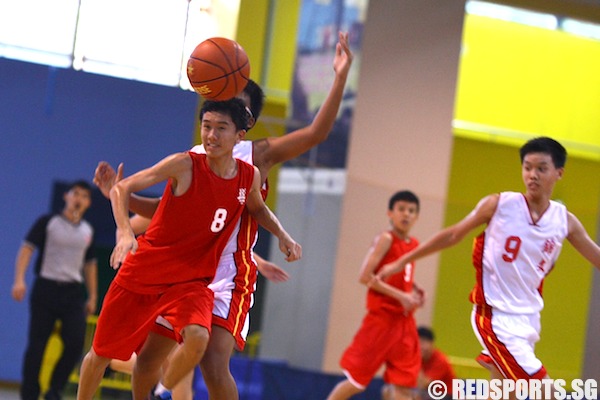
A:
(242, 151)
(513, 255)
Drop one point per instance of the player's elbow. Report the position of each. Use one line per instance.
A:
(322, 136)
(318, 134)
(364, 279)
(117, 190)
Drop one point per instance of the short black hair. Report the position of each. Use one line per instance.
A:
(548, 146)
(235, 108)
(403, 195)
(426, 333)
(257, 98)
(81, 183)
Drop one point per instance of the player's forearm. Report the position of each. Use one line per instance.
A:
(144, 206)
(385, 288)
(327, 114)
(119, 199)
(441, 240)
(265, 217)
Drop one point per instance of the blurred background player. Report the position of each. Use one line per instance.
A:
(388, 333)
(66, 259)
(434, 364)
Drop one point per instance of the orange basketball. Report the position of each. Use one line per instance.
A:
(218, 69)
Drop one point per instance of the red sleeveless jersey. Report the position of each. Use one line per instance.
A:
(402, 280)
(188, 233)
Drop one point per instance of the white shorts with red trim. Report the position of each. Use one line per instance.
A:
(508, 342)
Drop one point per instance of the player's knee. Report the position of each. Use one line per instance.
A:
(146, 364)
(94, 361)
(215, 360)
(215, 367)
(195, 340)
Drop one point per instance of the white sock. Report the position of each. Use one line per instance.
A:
(160, 389)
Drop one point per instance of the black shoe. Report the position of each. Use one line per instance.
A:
(52, 395)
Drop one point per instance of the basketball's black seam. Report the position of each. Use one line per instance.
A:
(225, 75)
(231, 67)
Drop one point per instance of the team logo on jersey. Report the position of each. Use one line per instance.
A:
(242, 196)
(549, 246)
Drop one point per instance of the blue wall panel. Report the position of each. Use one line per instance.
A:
(56, 124)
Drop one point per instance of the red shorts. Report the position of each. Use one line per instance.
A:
(384, 339)
(233, 286)
(127, 317)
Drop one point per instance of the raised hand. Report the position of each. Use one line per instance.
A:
(105, 177)
(343, 56)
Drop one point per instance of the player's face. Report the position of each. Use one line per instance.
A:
(540, 174)
(403, 216)
(219, 133)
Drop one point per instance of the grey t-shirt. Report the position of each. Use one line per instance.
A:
(63, 247)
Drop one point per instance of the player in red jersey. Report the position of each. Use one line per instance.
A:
(388, 333)
(435, 365)
(235, 280)
(167, 270)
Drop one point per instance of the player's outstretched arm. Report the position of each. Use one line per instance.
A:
(274, 150)
(265, 217)
(446, 237)
(105, 178)
(177, 166)
(579, 238)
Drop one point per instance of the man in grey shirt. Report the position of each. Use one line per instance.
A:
(65, 257)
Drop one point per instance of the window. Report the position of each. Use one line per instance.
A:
(146, 40)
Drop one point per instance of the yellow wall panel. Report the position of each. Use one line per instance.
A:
(522, 80)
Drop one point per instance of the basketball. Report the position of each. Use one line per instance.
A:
(218, 69)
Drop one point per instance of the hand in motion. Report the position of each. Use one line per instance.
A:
(126, 243)
(343, 56)
(289, 247)
(105, 177)
(271, 271)
(410, 301)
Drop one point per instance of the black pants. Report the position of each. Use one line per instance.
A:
(51, 301)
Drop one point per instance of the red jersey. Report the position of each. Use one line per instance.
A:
(243, 238)
(188, 233)
(438, 368)
(402, 280)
